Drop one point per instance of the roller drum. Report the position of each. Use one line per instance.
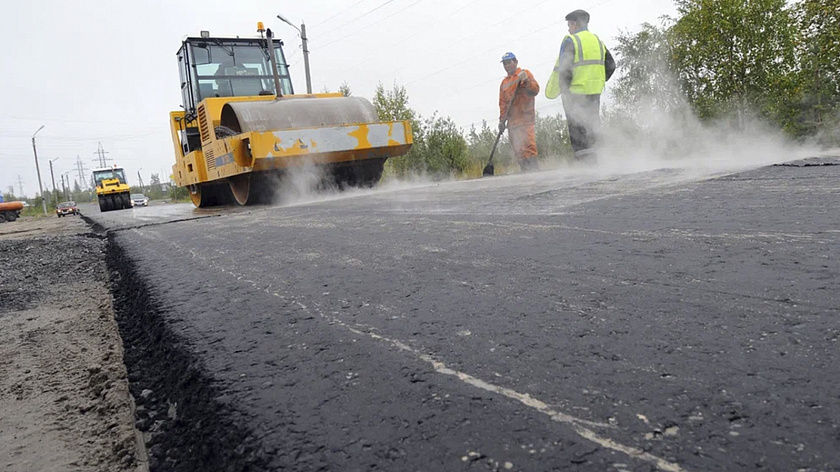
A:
(293, 113)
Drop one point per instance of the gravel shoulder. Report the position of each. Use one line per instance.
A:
(64, 392)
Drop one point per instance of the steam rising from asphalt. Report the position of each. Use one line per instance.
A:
(681, 141)
(662, 133)
(301, 184)
(310, 183)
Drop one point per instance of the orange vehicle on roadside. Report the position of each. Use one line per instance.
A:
(10, 211)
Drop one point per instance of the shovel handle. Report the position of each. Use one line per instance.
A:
(499, 134)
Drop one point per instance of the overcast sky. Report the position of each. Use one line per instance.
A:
(105, 71)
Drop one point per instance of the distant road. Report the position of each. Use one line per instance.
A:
(563, 320)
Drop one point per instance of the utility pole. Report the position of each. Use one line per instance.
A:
(304, 44)
(20, 186)
(38, 169)
(101, 153)
(305, 56)
(140, 179)
(66, 175)
(52, 175)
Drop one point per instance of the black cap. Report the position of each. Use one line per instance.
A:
(578, 15)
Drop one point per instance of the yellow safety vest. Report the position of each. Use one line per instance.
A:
(588, 72)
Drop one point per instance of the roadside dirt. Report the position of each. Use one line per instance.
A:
(64, 398)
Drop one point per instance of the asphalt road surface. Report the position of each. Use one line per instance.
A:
(671, 319)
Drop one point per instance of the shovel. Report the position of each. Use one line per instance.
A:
(489, 169)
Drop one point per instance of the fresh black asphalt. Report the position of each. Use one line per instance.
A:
(541, 322)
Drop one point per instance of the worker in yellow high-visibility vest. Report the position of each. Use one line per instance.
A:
(582, 68)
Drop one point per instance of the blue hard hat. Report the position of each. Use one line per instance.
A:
(509, 56)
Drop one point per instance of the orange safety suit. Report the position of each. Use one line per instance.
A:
(521, 120)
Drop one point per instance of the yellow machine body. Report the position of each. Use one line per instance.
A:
(236, 135)
(273, 150)
(112, 190)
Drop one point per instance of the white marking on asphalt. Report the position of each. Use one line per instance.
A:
(577, 424)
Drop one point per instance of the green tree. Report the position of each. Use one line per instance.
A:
(179, 194)
(392, 105)
(650, 108)
(816, 105)
(732, 55)
(445, 151)
(480, 144)
(646, 79)
(552, 135)
(155, 189)
(345, 89)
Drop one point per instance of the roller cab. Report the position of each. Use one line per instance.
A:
(242, 125)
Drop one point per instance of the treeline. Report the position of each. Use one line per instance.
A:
(737, 60)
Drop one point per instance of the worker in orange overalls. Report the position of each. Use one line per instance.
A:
(517, 91)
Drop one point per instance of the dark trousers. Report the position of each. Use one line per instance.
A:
(583, 113)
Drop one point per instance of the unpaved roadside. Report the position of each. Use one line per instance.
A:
(64, 399)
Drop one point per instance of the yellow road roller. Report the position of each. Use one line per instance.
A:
(112, 190)
(242, 127)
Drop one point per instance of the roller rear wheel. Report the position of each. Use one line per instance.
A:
(240, 187)
(208, 195)
(250, 189)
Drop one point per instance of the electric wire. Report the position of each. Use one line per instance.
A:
(372, 24)
(424, 30)
(337, 28)
(339, 13)
(475, 56)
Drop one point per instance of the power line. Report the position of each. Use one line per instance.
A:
(449, 46)
(339, 13)
(423, 31)
(337, 28)
(61, 120)
(115, 137)
(479, 55)
(372, 24)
